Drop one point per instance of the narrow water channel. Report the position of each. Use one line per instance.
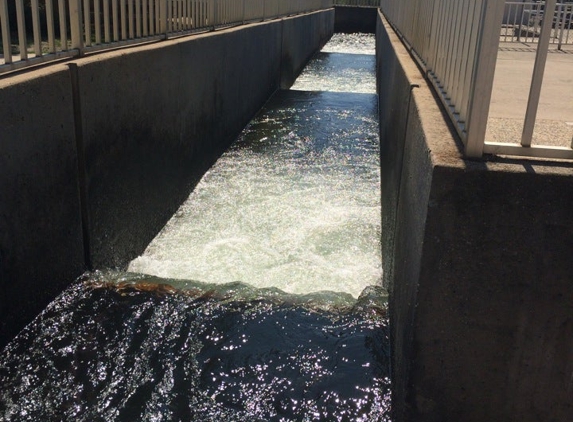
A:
(259, 301)
(295, 202)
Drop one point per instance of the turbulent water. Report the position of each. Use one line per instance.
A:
(270, 309)
(345, 64)
(295, 202)
(122, 348)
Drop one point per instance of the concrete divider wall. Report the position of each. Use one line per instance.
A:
(180, 106)
(350, 19)
(120, 139)
(396, 78)
(40, 224)
(309, 34)
(481, 296)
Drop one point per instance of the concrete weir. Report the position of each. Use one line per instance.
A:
(98, 152)
(477, 258)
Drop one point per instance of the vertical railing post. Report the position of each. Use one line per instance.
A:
(50, 24)
(561, 24)
(538, 70)
(170, 16)
(106, 22)
(5, 24)
(21, 29)
(36, 27)
(87, 23)
(146, 18)
(97, 21)
(76, 25)
(163, 17)
(482, 76)
(215, 13)
(522, 8)
(63, 24)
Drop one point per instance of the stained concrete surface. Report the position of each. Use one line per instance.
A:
(41, 247)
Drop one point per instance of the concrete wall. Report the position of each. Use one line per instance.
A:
(310, 36)
(98, 153)
(40, 221)
(350, 19)
(478, 265)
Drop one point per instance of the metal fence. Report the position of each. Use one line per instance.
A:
(456, 43)
(36, 31)
(364, 3)
(522, 23)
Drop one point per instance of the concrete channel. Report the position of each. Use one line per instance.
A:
(476, 254)
(99, 152)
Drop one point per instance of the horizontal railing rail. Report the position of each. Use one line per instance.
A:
(364, 3)
(38, 31)
(456, 43)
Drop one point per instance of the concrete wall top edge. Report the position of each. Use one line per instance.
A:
(162, 44)
(50, 68)
(441, 140)
(284, 18)
(410, 68)
(30, 74)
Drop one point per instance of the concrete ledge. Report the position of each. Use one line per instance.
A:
(480, 290)
(119, 140)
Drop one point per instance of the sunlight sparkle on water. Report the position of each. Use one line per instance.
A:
(294, 203)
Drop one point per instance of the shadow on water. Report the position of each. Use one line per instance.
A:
(125, 347)
(309, 122)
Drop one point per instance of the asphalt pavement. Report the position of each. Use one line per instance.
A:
(554, 125)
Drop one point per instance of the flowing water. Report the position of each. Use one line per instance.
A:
(259, 300)
(295, 202)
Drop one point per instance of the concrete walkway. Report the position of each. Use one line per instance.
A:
(512, 81)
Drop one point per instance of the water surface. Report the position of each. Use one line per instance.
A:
(260, 299)
(121, 347)
(295, 202)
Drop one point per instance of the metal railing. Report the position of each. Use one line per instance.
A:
(522, 23)
(456, 43)
(36, 31)
(364, 3)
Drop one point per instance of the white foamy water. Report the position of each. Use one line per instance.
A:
(294, 203)
(345, 64)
